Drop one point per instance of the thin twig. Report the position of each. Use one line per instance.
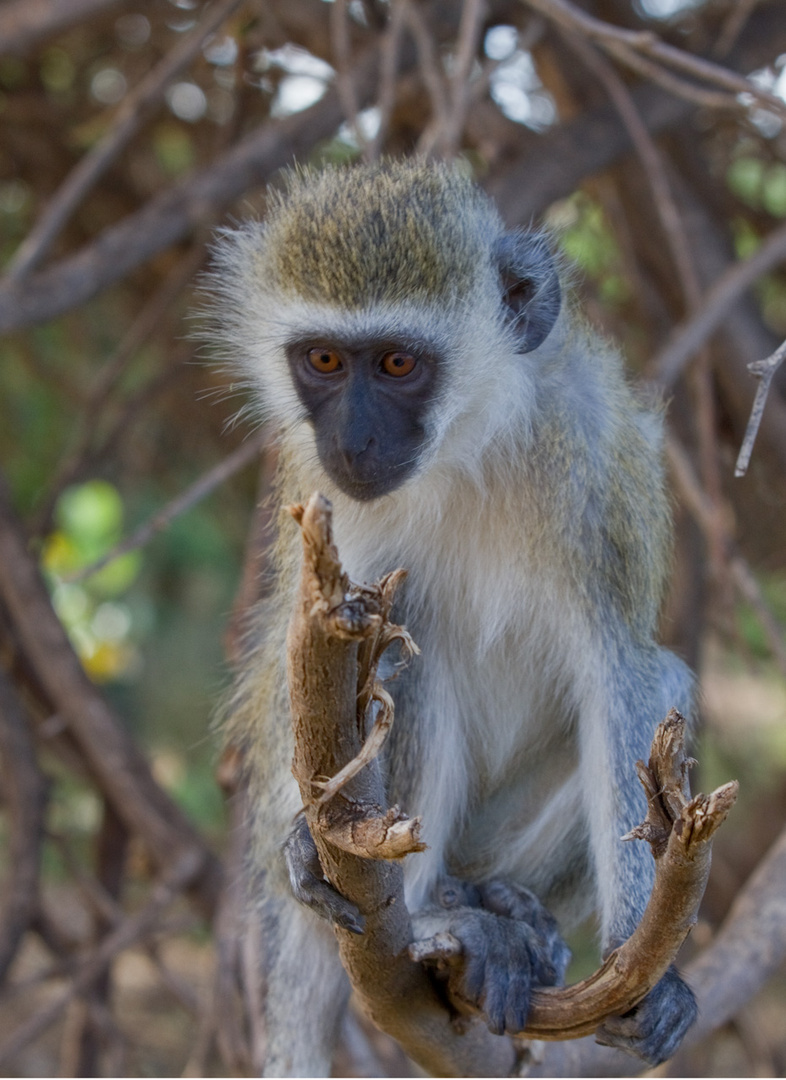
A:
(342, 55)
(136, 927)
(687, 338)
(470, 27)
(710, 521)
(652, 164)
(96, 161)
(656, 73)
(430, 67)
(673, 226)
(764, 371)
(199, 490)
(111, 913)
(389, 61)
(739, 13)
(23, 23)
(573, 18)
(147, 322)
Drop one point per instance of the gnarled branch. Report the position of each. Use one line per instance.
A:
(336, 637)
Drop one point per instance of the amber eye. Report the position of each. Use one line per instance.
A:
(398, 363)
(325, 361)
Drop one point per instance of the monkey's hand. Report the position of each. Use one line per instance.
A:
(506, 943)
(654, 1028)
(309, 885)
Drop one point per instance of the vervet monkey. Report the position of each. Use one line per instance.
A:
(422, 372)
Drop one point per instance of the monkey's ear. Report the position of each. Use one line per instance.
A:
(530, 286)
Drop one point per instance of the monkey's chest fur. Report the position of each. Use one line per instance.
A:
(484, 742)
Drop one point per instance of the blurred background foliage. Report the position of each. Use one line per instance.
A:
(112, 409)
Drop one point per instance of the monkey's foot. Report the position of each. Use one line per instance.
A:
(656, 1026)
(501, 942)
(309, 885)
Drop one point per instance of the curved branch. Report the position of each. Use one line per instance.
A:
(336, 636)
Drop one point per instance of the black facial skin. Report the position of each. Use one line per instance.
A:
(369, 424)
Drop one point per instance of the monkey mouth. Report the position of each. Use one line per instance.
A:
(367, 488)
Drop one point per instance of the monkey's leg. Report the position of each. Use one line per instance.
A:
(640, 687)
(306, 992)
(509, 944)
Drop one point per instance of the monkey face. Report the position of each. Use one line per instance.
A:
(368, 405)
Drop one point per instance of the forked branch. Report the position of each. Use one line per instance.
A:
(337, 635)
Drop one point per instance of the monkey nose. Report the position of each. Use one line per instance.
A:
(354, 451)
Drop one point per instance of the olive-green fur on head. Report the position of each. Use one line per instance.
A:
(397, 230)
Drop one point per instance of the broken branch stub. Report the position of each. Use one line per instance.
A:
(337, 635)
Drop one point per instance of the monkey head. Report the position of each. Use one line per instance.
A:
(377, 304)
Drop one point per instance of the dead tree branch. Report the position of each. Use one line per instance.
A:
(333, 623)
(337, 635)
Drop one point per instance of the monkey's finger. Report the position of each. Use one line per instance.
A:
(495, 1000)
(517, 1004)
